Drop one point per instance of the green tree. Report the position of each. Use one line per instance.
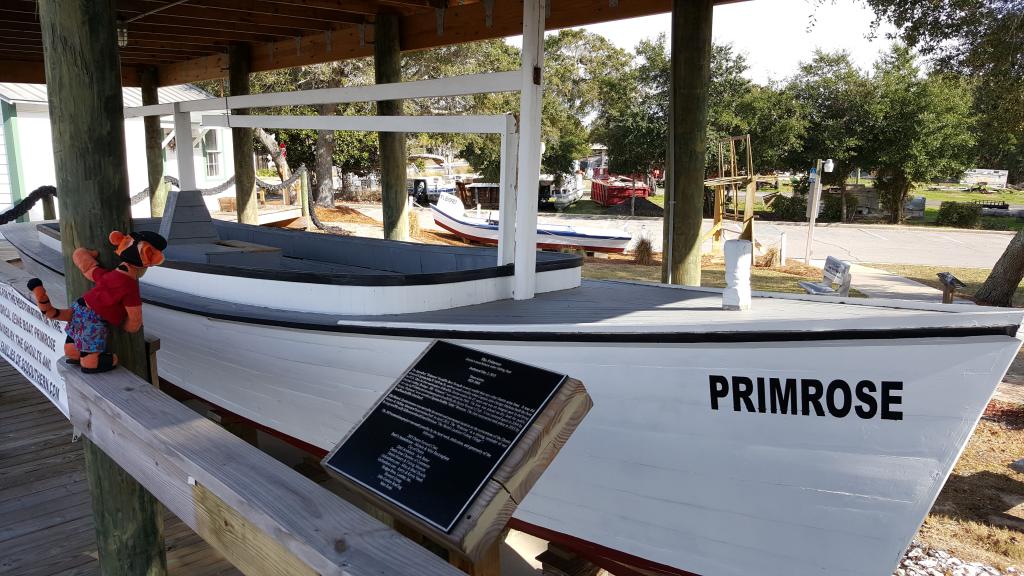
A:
(833, 97)
(983, 39)
(919, 128)
(776, 124)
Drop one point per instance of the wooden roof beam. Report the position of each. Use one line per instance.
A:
(288, 25)
(272, 11)
(365, 7)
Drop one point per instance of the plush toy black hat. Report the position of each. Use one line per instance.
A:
(142, 249)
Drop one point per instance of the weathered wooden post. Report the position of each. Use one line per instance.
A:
(304, 200)
(148, 80)
(86, 116)
(691, 60)
(387, 65)
(49, 208)
(239, 65)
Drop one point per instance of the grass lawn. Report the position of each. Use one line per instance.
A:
(977, 516)
(973, 277)
(712, 274)
(585, 207)
(1008, 196)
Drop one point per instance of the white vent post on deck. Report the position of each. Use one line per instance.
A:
(529, 152)
(183, 140)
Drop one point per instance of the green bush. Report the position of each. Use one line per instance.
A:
(832, 211)
(791, 209)
(265, 173)
(959, 215)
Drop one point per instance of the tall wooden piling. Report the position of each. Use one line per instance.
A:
(239, 66)
(691, 61)
(86, 115)
(148, 80)
(387, 64)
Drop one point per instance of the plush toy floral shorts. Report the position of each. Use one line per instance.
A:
(88, 331)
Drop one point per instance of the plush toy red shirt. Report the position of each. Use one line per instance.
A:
(113, 301)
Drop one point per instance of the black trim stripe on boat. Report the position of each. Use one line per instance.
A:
(597, 337)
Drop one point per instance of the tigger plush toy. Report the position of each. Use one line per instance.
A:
(113, 301)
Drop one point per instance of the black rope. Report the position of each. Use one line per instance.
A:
(265, 186)
(26, 204)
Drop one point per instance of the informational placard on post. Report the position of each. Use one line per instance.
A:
(436, 437)
(33, 344)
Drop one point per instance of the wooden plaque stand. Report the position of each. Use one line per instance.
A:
(475, 533)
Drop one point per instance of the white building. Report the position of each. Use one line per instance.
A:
(26, 149)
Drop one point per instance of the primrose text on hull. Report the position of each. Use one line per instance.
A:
(806, 396)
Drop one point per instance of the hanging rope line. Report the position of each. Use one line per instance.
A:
(26, 204)
(265, 186)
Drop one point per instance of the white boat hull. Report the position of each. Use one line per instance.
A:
(654, 472)
(484, 229)
(666, 472)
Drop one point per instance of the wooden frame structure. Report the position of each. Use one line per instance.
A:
(189, 41)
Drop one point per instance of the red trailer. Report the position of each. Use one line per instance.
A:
(616, 190)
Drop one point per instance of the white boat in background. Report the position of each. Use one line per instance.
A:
(450, 214)
(561, 192)
(808, 435)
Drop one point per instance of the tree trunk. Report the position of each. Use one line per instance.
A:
(842, 200)
(154, 137)
(324, 161)
(324, 154)
(270, 143)
(1006, 275)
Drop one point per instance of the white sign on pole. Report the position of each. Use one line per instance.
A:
(33, 344)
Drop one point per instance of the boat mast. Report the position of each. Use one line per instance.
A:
(529, 153)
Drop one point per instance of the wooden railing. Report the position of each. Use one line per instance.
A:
(262, 516)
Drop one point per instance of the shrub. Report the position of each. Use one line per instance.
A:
(643, 253)
(792, 209)
(264, 173)
(959, 215)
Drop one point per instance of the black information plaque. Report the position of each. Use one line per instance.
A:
(432, 442)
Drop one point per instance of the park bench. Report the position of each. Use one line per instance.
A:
(992, 204)
(836, 272)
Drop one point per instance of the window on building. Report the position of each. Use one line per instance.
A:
(211, 145)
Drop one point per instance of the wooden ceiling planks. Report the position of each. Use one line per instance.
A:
(188, 40)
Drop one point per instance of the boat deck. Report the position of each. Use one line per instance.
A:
(47, 527)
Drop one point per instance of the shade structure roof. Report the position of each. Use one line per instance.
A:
(187, 40)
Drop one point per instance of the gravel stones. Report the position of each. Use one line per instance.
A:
(920, 560)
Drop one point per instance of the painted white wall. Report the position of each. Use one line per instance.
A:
(36, 147)
(5, 180)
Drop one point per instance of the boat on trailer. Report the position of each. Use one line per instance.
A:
(806, 435)
(484, 227)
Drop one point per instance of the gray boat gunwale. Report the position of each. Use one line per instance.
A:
(388, 256)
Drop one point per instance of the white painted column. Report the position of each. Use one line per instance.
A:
(186, 164)
(507, 192)
(529, 149)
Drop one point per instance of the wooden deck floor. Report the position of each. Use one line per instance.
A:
(45, 512)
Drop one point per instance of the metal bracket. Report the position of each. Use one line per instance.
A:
(488, 13)
(439, 12)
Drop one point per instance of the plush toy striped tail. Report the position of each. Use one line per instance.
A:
(43, 301)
